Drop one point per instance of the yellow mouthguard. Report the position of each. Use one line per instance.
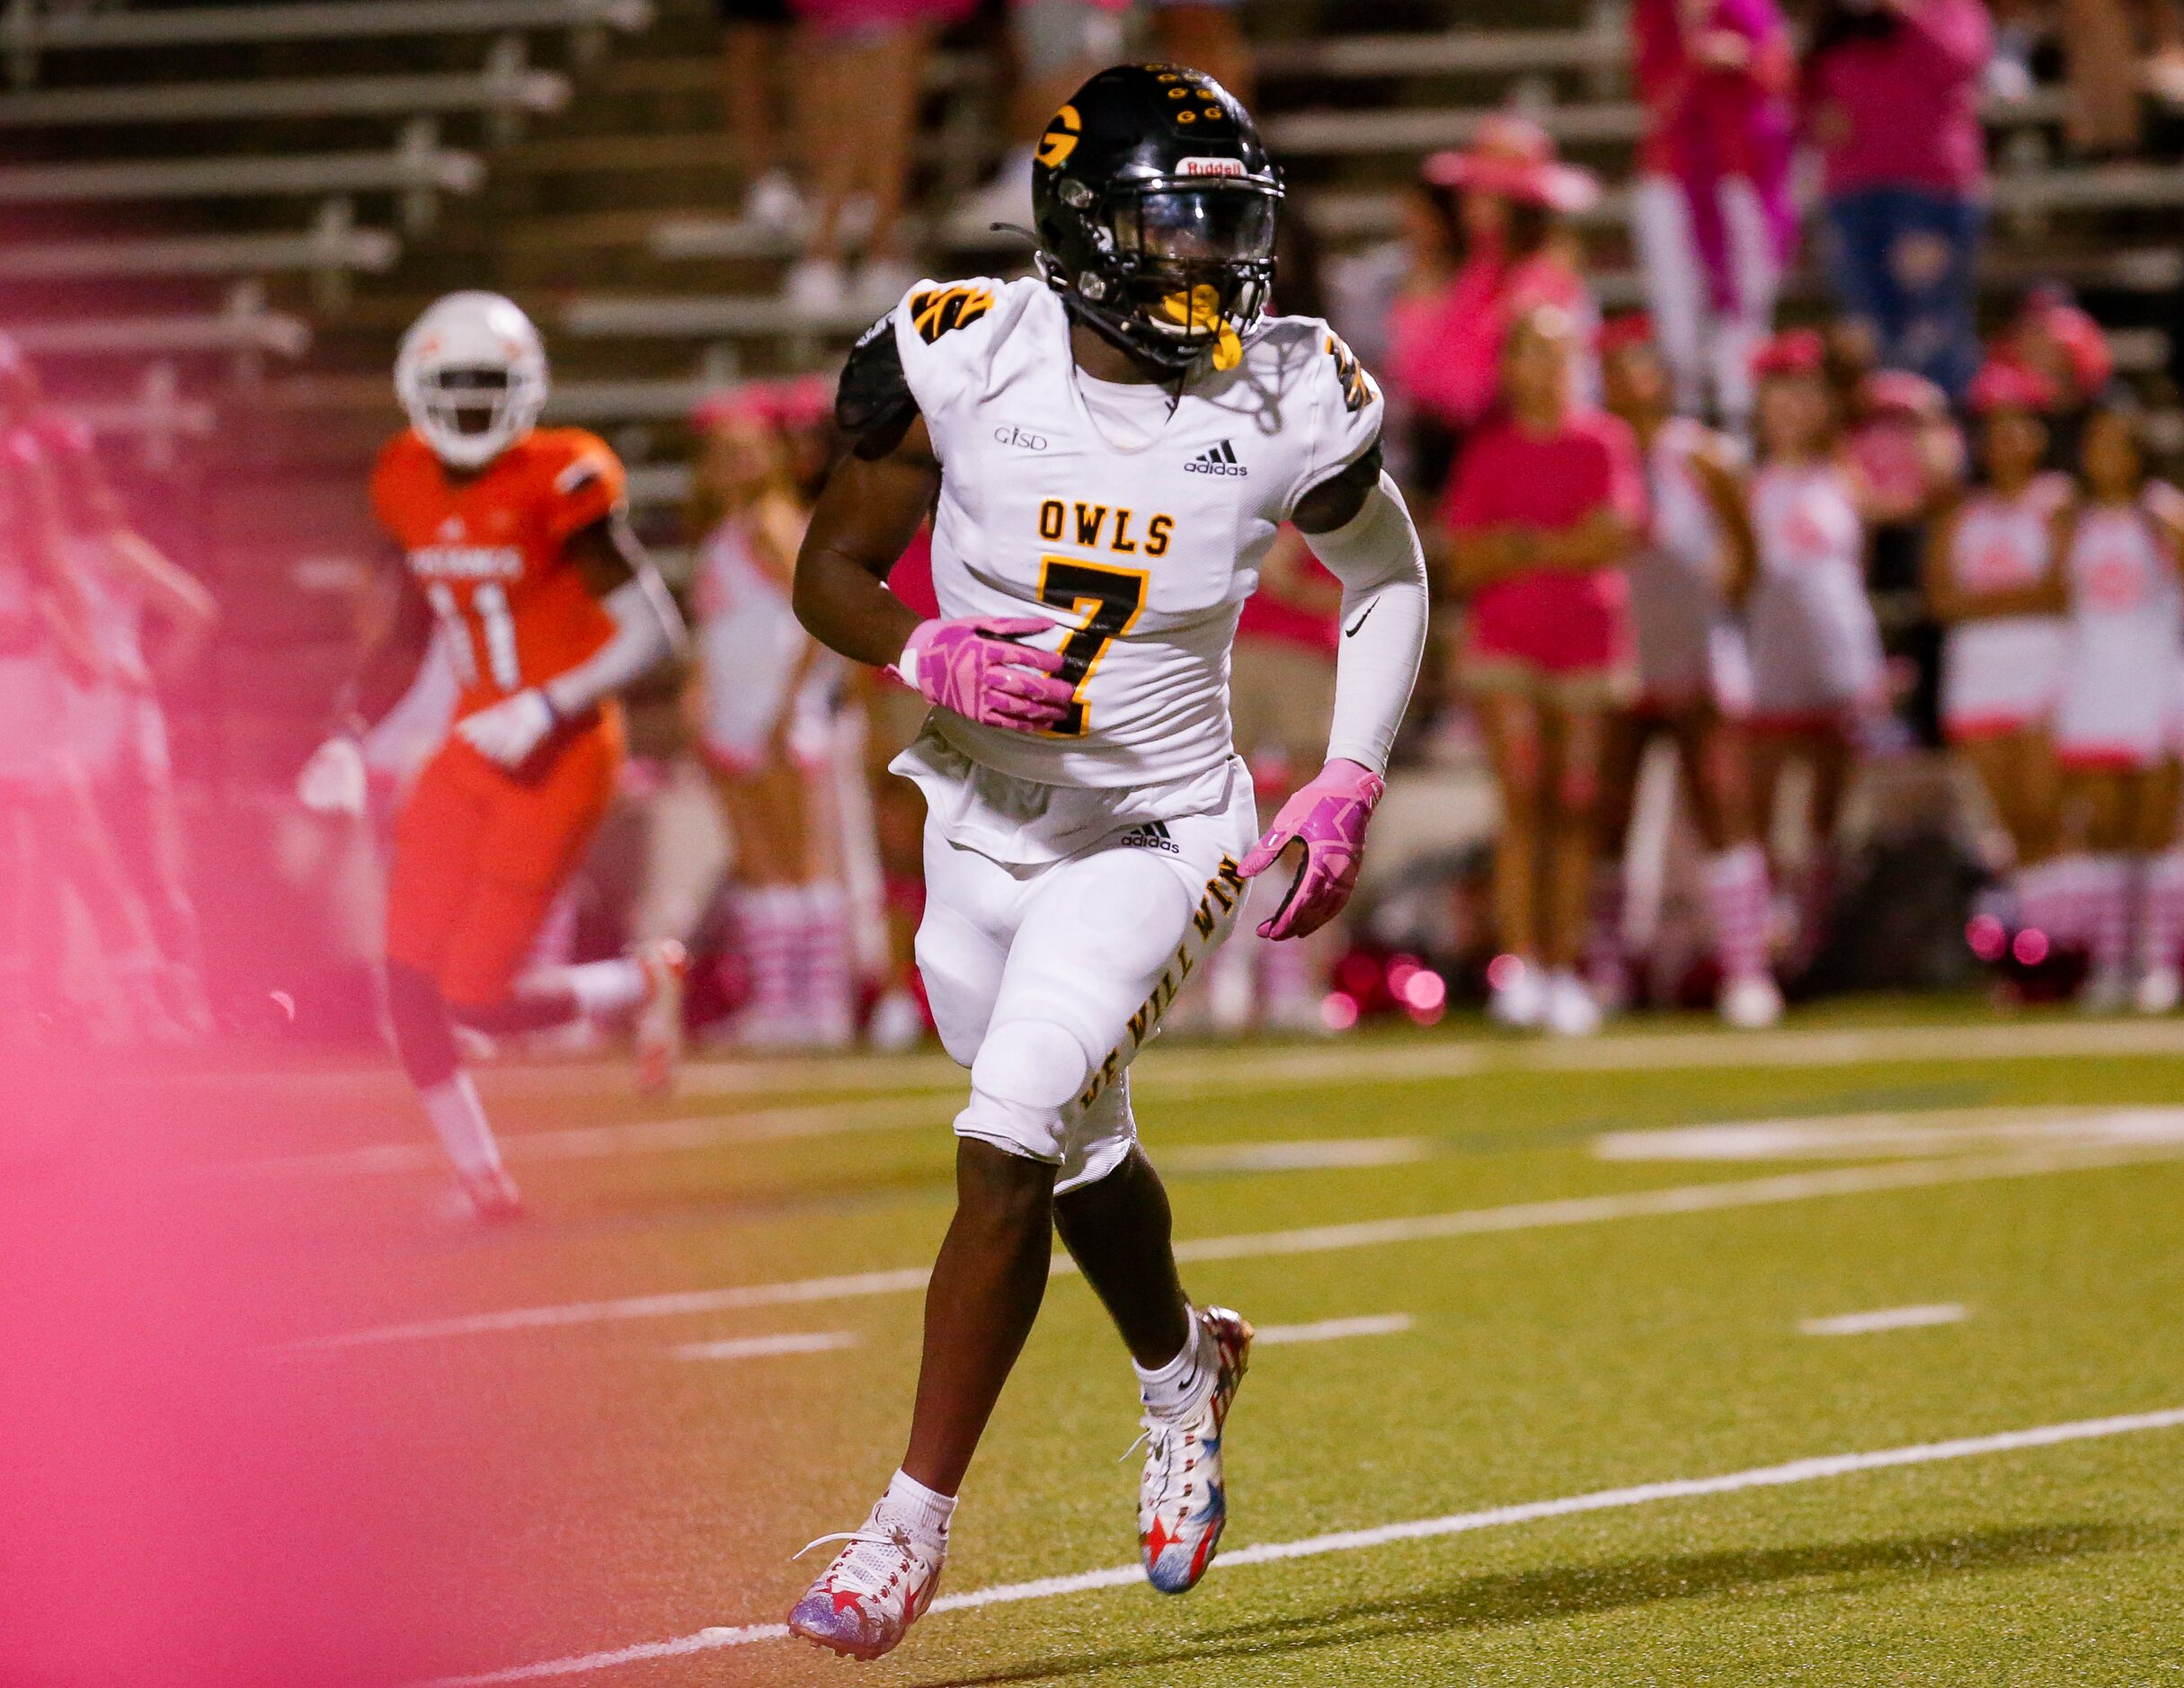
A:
(1199, 303)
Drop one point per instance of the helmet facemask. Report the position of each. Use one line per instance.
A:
(1190, 265)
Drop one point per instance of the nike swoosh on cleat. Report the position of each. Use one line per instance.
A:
(1350, 632)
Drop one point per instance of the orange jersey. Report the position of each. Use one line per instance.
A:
(491, 553)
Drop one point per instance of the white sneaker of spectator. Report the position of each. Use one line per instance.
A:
(1750, 1004)
(1571, 1011)
(898, 1023)
(1519, 993)
(775, 204)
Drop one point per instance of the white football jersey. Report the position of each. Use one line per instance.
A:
(1143, 552)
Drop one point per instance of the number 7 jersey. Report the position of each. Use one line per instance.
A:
(491, 553)
(1141, 551)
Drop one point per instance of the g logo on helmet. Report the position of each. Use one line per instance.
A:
(1060, 138)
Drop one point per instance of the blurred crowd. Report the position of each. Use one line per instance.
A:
(804, 75)
(1699, 551)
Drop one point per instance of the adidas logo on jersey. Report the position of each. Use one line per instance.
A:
(1219, 460)
(1152, 836)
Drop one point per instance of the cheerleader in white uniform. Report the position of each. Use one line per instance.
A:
(1815, 649)
(2114, 718)
(761, 701)
(117, 729)
(1695, 678)
(1992, 581)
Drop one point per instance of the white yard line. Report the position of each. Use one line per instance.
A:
(639, 1137)
(1807, 1470)
(1920, 1134)
(1586, 1210)
(1178, 1076)
(763, 1347)
(1886, 1319)
(1332, 1329)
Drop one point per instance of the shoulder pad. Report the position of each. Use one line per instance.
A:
(1357, 389)
(873, 405)
(934, 311)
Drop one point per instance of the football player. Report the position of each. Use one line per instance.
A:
(519, 549)
(1112, 444)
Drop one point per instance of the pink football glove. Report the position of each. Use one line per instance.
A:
(1328, 818)
(976, 668)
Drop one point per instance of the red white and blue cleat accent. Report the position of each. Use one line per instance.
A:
(864, 1604)
(1182, 1499)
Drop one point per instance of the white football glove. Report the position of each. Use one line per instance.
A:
(510, 731)
(332, 782)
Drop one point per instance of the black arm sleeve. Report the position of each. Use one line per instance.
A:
(873, 406)
(1332, 503)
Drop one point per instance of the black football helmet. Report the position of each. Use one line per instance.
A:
(1156, 200)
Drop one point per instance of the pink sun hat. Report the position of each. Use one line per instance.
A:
(1513, 157)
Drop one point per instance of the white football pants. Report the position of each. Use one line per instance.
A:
(1046, 980)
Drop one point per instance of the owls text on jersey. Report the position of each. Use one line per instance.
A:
(1142, 554)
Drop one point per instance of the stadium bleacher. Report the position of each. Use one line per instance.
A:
(585, 139)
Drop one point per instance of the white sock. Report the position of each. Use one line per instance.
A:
(1175, 1389)
(825, 961)
(459, 1118)
(923, 1512)
(603, 989)
(772, 920)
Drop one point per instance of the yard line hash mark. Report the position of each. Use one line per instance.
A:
(1886, 1319)
(761, 1347)
(1584, 1210)
(1782, 1476)
(1333, 1329)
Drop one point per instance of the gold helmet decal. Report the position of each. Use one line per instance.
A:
(1060, 138)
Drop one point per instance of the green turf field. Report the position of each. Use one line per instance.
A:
(1553, 1305)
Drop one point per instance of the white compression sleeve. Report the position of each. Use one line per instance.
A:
(647, 630)
(1377, 558)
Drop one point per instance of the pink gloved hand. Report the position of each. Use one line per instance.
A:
(1328, 818)
(976, 668)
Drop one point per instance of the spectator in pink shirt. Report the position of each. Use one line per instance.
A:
(1487, 243)
(1547, 502)
(1710, 210)
(1891, 97)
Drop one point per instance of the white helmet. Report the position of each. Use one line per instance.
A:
(472, 374)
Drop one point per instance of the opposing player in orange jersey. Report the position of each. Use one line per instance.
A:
(519, 549)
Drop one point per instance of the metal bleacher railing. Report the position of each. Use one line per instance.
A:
(418, 169)
(245, 331)
(504, 91)
(31, 29)
(331, 251)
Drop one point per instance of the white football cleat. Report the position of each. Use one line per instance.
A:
(1519, 998)
(1183, 1500)
(1750, 1004)
(864, 1604)
(659, 1031)
(1571, 1011)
